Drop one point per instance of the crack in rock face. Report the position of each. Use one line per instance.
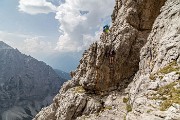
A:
(99, 69)
(124, 74)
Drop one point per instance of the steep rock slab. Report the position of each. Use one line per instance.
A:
(154, 92)
(70, 105)
(132, 22)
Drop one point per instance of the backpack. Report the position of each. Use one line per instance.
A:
(106, 28)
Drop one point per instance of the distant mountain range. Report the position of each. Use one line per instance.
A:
(26, 84)
(63, 74)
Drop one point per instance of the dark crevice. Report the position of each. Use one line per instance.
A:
(83, 108)
(75, 115)
(144, 29)
(146, 20)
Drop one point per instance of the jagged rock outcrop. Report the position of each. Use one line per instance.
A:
(155, 90)
(26, 84)
(127, 35)
(145, 38)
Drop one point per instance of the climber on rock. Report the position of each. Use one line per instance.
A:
(106, 28)
(107, 53)
(112, 54)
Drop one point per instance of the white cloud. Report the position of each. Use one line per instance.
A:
(88, 39)
(28, 44)
(41, 48)
(13, 39)
(79, 30)
(80, 20)
(36, 6)
(35, 44)
(81, 24)
(4, 34)
(66, 44)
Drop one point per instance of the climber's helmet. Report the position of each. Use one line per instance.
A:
(106, 28)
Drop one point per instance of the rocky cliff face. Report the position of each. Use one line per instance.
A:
(155, 90)
(26, 85)
(140, 81)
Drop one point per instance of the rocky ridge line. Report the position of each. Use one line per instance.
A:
(97, 89)
(26, 84)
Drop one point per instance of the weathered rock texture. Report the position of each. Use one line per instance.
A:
(155, 90)
(131, 26)
(97, 89)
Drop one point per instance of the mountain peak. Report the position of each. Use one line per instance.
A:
(125, 73)
(26, 80)
(3, 45)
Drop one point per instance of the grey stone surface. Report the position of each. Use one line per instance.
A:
(145, 36)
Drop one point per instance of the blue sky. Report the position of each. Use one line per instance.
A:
(53, 31)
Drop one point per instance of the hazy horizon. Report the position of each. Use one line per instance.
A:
(53, 31)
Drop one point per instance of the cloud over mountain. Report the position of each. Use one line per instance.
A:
(36, 6)
(80, 22)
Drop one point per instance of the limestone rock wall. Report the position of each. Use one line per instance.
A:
(132, 22)
(159, 70)
(145, 38)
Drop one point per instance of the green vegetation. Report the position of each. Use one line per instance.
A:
(103, 109)
(124, 117)
(97, 114)
(172, 93)
(106, 108)
(152, 77)
(170, 68)
(168, 94)
(84, 117)
(128, 108)
(125, 100)
(149, 111)
(161, 77)
(178, 72)
(173, 66)
(79, 89)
